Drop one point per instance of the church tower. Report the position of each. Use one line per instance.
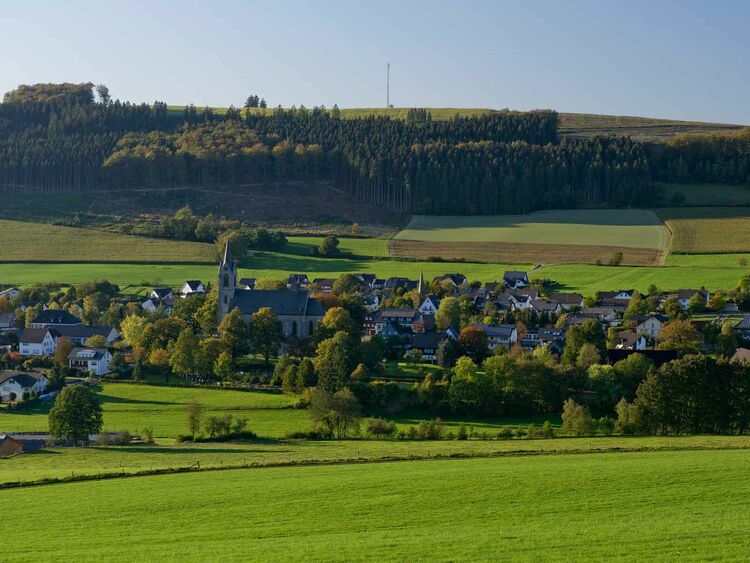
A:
(227, 282)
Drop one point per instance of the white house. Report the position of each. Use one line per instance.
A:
(430, 305)
(514, 280)
(500, 335)
(650, 325)
(192, 287)
(53, 318)
(685, 295)
(94, 360)
(14, 384)
(10, 293)
(37, 342)
(630, 340)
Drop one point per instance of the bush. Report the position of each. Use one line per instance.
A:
(429, 430)
(505, 433)
(547, 430)
(462, 433)
(606, 425)
(148, 435)
(379, 428)
(305, 435)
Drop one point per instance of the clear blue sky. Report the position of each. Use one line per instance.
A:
(676, 59)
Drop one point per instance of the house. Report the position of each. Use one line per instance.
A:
(650, 325)
(568, 301)
(7, 320)
(192, 287)
(92, 360)
(37, 342)
(515, 280)
(742, 328)
(369, 281)
(9, 446)
(15, 384)
(297, 281)
(602, 314)
(430, 305)
(740, 355)
(630, 340)
(405, 318)
(457, 281)
(619, 295)
(78, 335)
(53, 318)
(427, 344)
(423, 323)
(10, 293)
(546, 306)
(162, 294)
(500, 335)
(685, 295)
(324, 284)
(248, 283)
(395, 283)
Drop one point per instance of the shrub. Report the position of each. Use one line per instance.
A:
(606, 425)
(148, 435)
(547, 430)
(462, 433)
(379, 428)
(505, 433)
(305, 435)
(429, 430)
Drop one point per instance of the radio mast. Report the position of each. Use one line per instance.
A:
(388, 85)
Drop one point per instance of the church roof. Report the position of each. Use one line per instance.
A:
(281, 302)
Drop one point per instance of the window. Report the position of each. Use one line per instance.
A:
(310, 328)
(225, 299)
(294, 328)
(226, 280)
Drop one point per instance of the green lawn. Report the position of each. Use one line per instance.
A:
(658, 506)
(134, 407)
(635, 228)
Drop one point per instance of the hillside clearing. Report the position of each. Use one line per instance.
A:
(706, 195)
(39, 242)
(666, 505)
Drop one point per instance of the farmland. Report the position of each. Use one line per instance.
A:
(406, 511)
(135, 407)
(706, 230)
(59, 463)
(39, 242)
(569, 236)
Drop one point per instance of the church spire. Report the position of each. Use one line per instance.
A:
(227, 255)
(420, 285)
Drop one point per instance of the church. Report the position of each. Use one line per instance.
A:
(297, 311)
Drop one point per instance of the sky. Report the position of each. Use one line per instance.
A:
(671, 59)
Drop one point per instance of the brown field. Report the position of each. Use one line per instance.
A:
(524, 253)
(643, 128)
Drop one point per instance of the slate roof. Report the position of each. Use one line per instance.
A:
(499, 331)
(193, 284)
(8, 318)
(281, 302)
(24, 379)
(567, 298)
(56, 316)
(81, 331)
(75, 353)
(33, 335)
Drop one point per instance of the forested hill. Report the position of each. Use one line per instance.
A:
(60, 137)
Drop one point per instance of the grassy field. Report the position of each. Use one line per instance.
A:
(134, 407)
(302, 245)
(707, 230)
(44, 242)
(644, 128)
(707, 195)
(563, 236)
(661, 506)
(62, 462)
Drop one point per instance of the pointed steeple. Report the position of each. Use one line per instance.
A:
(227, 255)
(420, 285)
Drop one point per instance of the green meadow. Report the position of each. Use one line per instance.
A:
(686, 506)
(39, 242)
(134, 407)
(636, 228)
